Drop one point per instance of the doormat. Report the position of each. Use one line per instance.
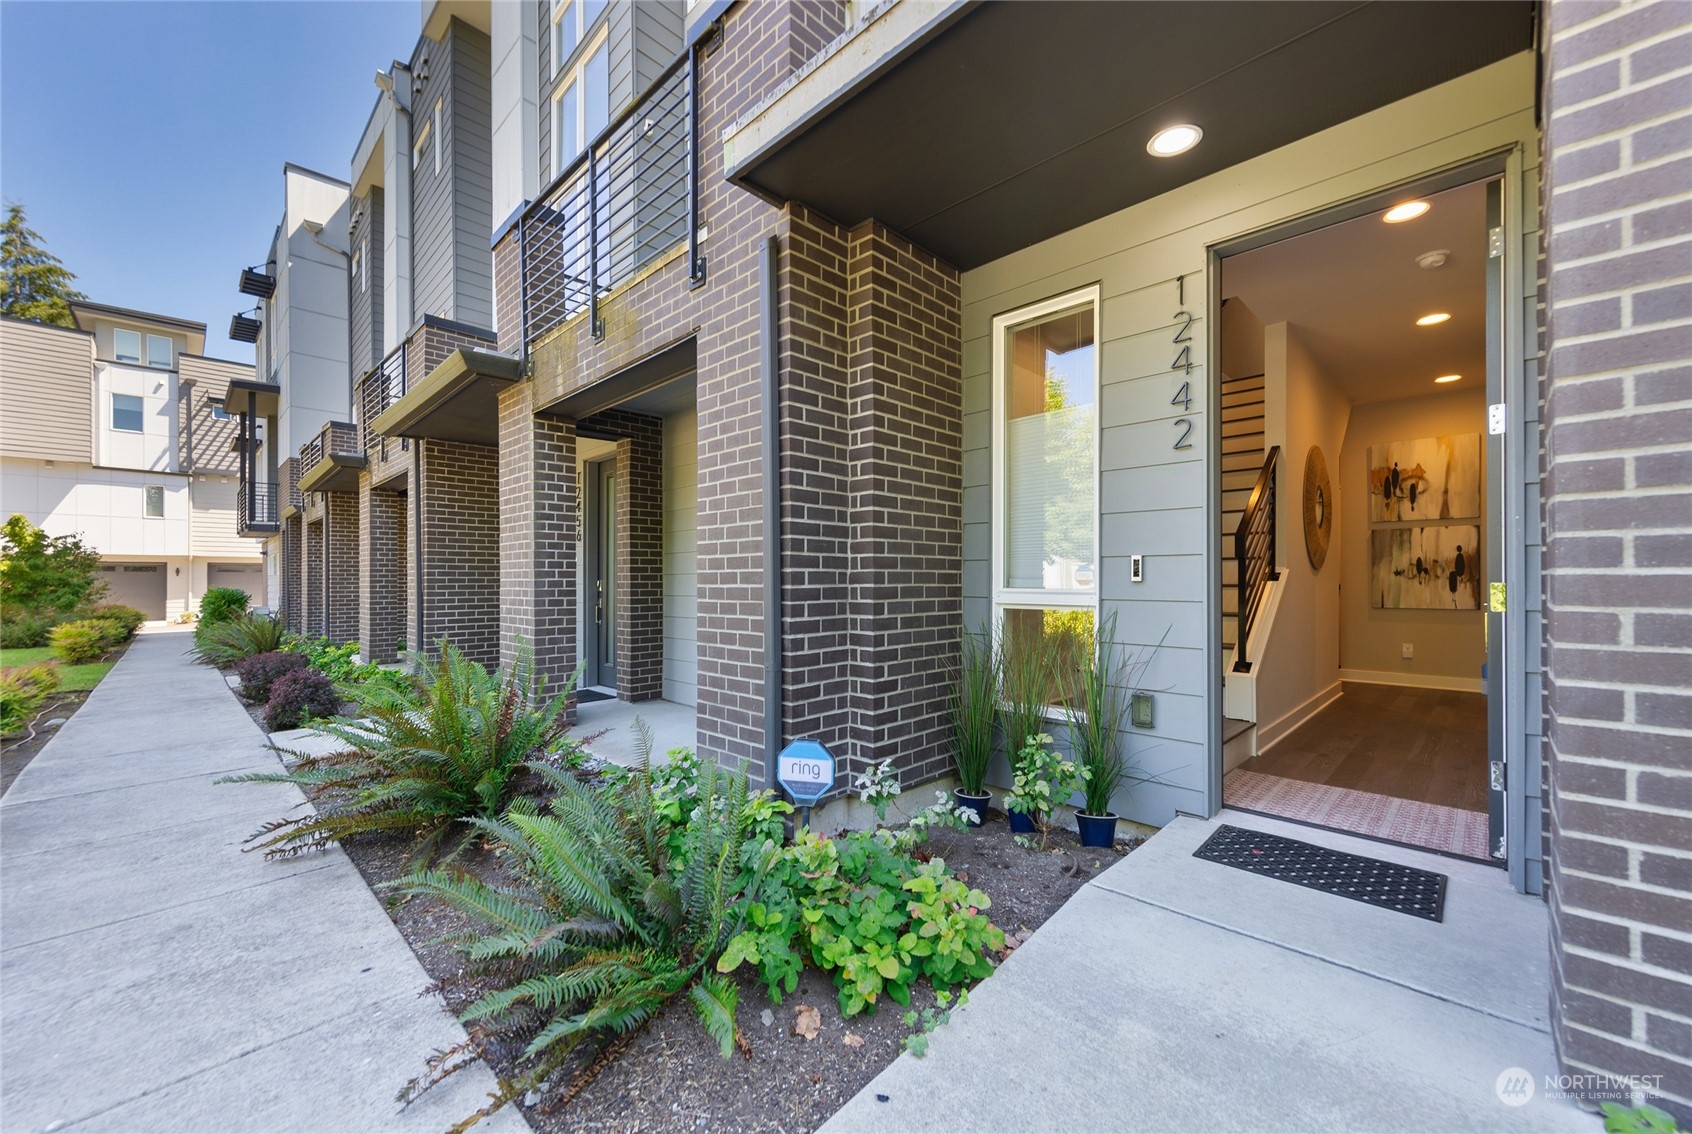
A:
(588, 696)
(1449, 830)
(1419, 893)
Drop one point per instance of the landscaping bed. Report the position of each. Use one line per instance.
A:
(669, 1075)
(77, 682)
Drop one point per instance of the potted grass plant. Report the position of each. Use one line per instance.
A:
(1025, 690)
(975, 709)
(1096, 716)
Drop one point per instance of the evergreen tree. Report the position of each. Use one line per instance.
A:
(33, 283)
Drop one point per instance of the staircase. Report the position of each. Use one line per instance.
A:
(1242, 460)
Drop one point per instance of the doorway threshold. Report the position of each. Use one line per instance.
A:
(1448, 831)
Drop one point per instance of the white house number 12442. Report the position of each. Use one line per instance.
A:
(1184, 396)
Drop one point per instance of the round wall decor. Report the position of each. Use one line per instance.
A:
(1318, 508)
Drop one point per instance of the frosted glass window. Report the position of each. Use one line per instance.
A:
(1049, 387)
(126, 345)
(155, 500)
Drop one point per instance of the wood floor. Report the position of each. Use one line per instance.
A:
(1422, 744)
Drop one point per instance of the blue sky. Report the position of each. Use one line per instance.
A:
(146, 140)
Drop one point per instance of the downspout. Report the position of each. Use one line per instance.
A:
(769, 253)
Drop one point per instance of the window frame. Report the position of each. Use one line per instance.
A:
(1005, 597)
(117, 351)
(148, 494)
(169, 362)
(580, 25)
(220, 409)
(141, 413)
(574, 77)
(420, 142)
(436, 119)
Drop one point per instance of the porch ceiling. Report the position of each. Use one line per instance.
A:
(266, 397)
(458, 401)
(336, 472)
(1019, 121)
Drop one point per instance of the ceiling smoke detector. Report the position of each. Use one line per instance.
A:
(1434, 259)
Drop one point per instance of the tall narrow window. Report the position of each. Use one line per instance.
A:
(1045, 479)
(420, 144)
(358, 267)
(155, 500)
(126, 345)
(581, 104)
(160, 352)
(126, 413)
(439, 137)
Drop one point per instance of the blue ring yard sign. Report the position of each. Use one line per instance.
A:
(806, 769)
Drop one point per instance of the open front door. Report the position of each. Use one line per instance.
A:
(1498, 529)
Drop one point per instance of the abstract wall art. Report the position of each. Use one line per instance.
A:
(1431, 568)
(1430, 478)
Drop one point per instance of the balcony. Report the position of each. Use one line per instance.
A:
(629, 200)
(457, 399)
(331, 461)
(378, 390)
(255, 510)
(255, 396)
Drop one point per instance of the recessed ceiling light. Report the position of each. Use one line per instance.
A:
(1431, 320)
(1409, 210)
(1174, 140)
(1440, 381)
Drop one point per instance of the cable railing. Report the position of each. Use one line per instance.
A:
(377, 390)
(1254, 551)
(628, 199)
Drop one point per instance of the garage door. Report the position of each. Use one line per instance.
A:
(247, 577)
(141, 585)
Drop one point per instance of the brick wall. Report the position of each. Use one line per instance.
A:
(640, 548)
(311, 581)
(292, 544)
(457, 500)
(382, 577)
(341, 589)
(434, 339)
(1618, 553)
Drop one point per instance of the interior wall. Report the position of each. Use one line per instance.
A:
(1450, 645)
(1299, 673)
(681, 522)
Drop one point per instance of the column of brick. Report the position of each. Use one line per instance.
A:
(341, 566)
(291, 572)
(457, 486)
(537, 536)
(381, 570)
(1617, 465)
(312, 622)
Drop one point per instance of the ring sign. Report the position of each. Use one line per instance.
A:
(806, 769)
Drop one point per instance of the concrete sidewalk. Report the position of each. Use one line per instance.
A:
(1172, 993)
(158, 979)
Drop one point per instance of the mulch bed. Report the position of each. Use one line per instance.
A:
(670, 1076)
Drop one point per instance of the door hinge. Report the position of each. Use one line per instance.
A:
(1497, 417)
(1496, 770)
(1496, 598)
(1494, 243)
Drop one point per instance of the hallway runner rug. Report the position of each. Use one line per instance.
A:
(1431, 825)
(1419, 893)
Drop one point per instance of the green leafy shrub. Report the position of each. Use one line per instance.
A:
(1043, 780)
(22, 690)
(604, 925)
(125, 616)
(260, 672)
(1619, 1119)
(42, 574)
(863, 910)
(25, 631)
(84, 640)
(340, 665)
(220, 604)
(299, 696)
(225, 643)
(422, 762)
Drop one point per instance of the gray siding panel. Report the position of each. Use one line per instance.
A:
(431, 192)
(46, 392)
(471, 152)
(364, 304)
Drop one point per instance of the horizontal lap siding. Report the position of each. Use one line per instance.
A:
(46, 392)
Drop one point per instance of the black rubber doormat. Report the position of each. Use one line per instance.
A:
(1419, 893)
(588, 696)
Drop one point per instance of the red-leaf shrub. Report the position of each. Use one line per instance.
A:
(259, 673)
(298, 697)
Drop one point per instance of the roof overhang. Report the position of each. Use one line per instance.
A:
(627, 387)
(262, 398)
(978, 129)
(458, 401)
(336, 472)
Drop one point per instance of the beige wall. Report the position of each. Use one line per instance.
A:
(46, 392)
(1299, 673)
(1450, 644)
(208, 443)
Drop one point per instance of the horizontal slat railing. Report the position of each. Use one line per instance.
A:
(378, 390)
(1254, 552)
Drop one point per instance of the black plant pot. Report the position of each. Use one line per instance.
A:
(1096, 830)
(976, 803)
(1021, 822)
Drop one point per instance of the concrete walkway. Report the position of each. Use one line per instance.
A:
(155, 978)
(1173, 993)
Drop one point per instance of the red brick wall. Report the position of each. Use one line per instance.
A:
(1618, 552)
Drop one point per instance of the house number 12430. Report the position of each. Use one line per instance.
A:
(1184, 363)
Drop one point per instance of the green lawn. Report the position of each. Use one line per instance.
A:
(74, 678)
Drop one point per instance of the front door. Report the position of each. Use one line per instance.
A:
(1499, 663)
(601, 582)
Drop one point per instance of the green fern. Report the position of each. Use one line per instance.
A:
(422, 761)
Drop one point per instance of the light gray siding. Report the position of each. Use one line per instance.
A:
(681, 521)
(432, 244)
(471, 152)
(46, 392)
(364, 287)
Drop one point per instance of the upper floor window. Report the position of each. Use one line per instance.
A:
(155, 500)
(126, 345)
(219, 409)
(571, 21)
(160, 352)
(127, 412)
(439, 137)
(581, 104)
(358, 268)
(420, 144)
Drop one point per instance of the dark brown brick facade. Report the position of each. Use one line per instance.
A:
(455, 494)
(341, 566)
(382, 576)
(1618, 561)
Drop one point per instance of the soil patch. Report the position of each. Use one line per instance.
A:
(670, 1076)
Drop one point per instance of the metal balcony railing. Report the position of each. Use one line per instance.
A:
(1254, 550)
(630, 197)
(378, 390)
(255, 507)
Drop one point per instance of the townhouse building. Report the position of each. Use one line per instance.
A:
(1335, 357)
(118, 430)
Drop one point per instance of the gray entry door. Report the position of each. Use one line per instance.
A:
(601, 582)
(1499, 661)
